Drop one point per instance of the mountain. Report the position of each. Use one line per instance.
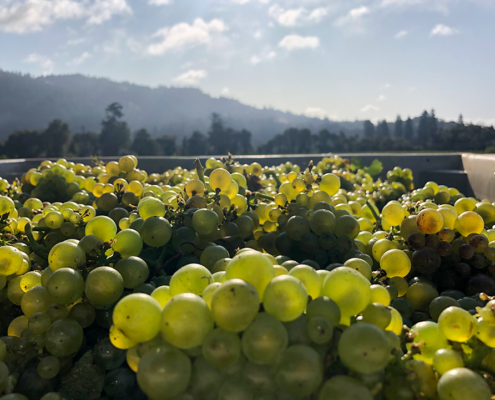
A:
(31, 103)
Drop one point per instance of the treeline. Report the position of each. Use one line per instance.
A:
(115, 138)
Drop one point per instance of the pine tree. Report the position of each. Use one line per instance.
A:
(432, 125)
(56, 138)
(399, 127)
(382, 129)
(369, 129)
(115, 134)
(423, 127)
(409, 131)
(144, 145)
(460, 121)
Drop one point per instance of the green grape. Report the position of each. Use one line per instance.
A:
(30, 280)
(377, 314)
(205, 380)
(194, 187)
(10, 260)
(364, 348)
(3, 282)
(205, 221)
(57, 311)
(446, 359)
(430, 221)
(231, 390)
(192, 278)
(162, 295)
(128, 243)
(463, 384)
(87, 213)
(322, 221)
(330, 184)
(396, 322)
(17, 326)
(104, 286)
(380, 247)
(103, 227)
(485, 332)
(209, 291)
(395, 263)
(49, 367)
(469, 222)
(488, 312)
(185, 321)
(299, 370)
(83, 313)
(212, 254)
(393, 214)
(164, 373)
(285, 298)
(45, 275)
(341, 387)
(54, 219)
(252, 267)
(349, 289)
(63, 338)
(297, 227)
(324, 307)
(66, 255)
(156, 231)
(36, 300)
(220, 179)
(439, 304)
(39, 323)
(310, 279)
(346, 225)
(65, 285)
(399, 283)
(319, 330)
(264, 340)
(245, 225)
(14, 396)
(7, 205)
(420, 295)
(359, 265)
(429, 338)
(90, 245)
(151, 207)
(234, 305)
(134, 271)
(138, 317)
(221, 348)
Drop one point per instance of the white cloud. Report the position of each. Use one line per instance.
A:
(255, 60)
(401, 34)
(271, 55)
(382, 97)
(44, 62)
(183, 36)
(265, 56)
(160, 2)
(296, 42)
(258, 34)
(435, 5)
(79, 60)
(354, 16)
(315, 112)
(225, 91)
(191, 77)
(443, 30)
(369, 107)
(18, 16)
(296, 17)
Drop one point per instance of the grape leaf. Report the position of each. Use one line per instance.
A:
(375, 168)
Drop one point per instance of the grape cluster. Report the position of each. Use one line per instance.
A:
(243, 282)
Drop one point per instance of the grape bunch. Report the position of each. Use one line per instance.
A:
(243, 282)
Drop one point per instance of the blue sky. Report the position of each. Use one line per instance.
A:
(342, 59)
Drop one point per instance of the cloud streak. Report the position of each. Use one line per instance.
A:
(443, 30)
(296, 42)
(296, 17)
(191, 77)
(44, 62)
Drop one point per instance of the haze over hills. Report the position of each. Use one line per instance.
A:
(31, 103)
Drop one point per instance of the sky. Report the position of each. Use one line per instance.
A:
(337, 59)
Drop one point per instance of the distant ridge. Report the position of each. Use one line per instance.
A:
(31, 103)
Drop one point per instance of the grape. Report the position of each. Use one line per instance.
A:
(65, 285)
(349, 289)
(221, 348)
(322, 221)
(319, 330)
(212, 254)
(377, 314)
(54, 220)
(17, 326)
(138, 317)
(104, 286)
(83, 313)
(463, 384)
(162, 295)
(30, 280)
(285, 298)
(49, 367)
(379, 294)
(429, 338)
(205, 221)
(192, 278)
(264, 340)
(330, 184)
(107, 356)
(134, 271)
(299, 370)
(128, 243)
(10, 260)
(252, 267)
(150, 207)
(364, 348)
(234, 305)
(36, 300)
(396, 322)
(156, 231)
(104, 228)
(39, 323)
(401, 285)
(359, 265)
(64, 337)
(343, 387)
(310, 279)
(486, 332)
(57, 311)
(395, 263)
(185, 321)
(346, 226)
(446, 359)
(119, 339)
(420, 295)
(14, 291)
(164, 373)
(469, 222)
(231, 390)
(439, 304)
(66, 255)
(430, 221)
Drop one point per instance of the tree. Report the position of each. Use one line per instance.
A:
(432, 125)
(24, 144)
(56, 138)
(423, 127)
(195, 145)
(218, 139)
(166, 145)
(460, 121)
(85, 144)
(144, 145)
(369, 129)
(408, 130)
(398, 127)
(382, 129)
(115, 134)
(243, 139)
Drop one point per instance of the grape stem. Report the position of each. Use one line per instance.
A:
(200, 170)
(263, 196)
(37, 248)
(377, 217)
